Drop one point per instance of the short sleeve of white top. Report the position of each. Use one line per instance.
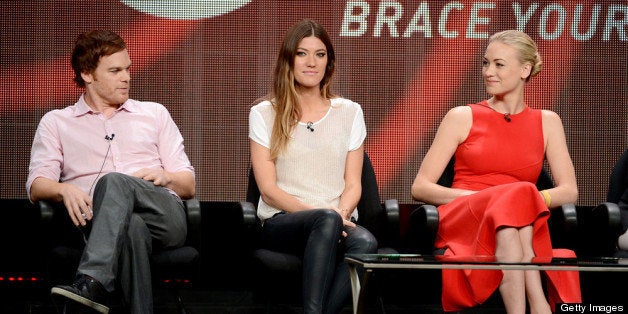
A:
(312, 167)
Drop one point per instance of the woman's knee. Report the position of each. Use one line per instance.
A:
(361, 240)
(508, 245)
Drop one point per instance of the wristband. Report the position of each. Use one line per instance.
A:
(547, 198)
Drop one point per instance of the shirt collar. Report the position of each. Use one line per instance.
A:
(83, 108)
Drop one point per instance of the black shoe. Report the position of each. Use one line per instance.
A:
(85, 290)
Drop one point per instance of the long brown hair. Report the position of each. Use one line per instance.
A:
(284, 94)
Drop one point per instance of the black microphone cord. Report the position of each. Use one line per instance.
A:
(83, 230)
(102, 166)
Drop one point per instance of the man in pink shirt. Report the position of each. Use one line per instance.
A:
(117, 164)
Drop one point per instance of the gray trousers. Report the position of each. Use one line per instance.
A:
(130, 215)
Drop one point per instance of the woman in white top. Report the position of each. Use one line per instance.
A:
(307, 153)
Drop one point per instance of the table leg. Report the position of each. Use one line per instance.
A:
(358, 287)
(355, 286)
(361, 297)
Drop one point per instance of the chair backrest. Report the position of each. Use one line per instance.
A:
(252, 191)
(371, 214)
(544, 181)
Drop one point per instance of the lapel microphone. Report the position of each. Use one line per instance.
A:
(109, 138)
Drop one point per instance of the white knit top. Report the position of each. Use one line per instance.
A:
(313, 165)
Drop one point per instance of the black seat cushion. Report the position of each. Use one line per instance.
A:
(277, 262)
(185, 255)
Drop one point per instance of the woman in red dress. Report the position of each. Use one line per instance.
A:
(493, 207)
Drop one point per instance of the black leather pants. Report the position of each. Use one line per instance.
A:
(316, 235)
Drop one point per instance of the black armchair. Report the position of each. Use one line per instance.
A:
(171, 269)
(283, 270)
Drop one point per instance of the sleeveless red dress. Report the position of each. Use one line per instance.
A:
(501, 160)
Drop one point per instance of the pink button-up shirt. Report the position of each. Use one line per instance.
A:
(72, 144)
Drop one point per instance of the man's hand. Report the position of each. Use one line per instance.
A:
(78, 204)
(182, 182)
(157, 176)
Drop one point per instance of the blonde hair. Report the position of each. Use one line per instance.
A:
(528, 51)
(284, 93)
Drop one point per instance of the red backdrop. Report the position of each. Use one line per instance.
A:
(405, 62)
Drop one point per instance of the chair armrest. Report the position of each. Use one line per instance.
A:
(251, 227)
(564, 225)
(249, 214)
(422, 228)
(193, 208)
(46, 211)
(570, 217)
(194, 219)
(598, 229)
(390, 229)
(428, 215)
(608, 215)
(391, 207)
(607, 224)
